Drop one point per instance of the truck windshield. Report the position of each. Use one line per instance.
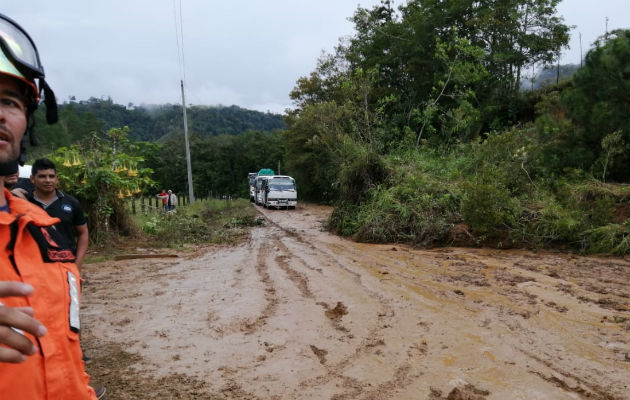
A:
(281, 184)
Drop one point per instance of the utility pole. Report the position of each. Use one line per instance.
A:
(191, 194)
(558, 71)
(581, 50)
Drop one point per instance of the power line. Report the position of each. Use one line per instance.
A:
(181, 32)
(179, 39)
(179, 35)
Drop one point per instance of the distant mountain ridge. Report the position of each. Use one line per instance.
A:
(548, 76)
(158, 122)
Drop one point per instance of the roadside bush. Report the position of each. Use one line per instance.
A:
(343, 219)
(610, 238)
(490, 193)
(101, 171)
(505, 160)
(212, 221)
(362, 170)
(394, 216)
(488, 209)
(547, 221)
(413, 205)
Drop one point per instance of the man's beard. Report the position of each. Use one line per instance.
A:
(9, 167)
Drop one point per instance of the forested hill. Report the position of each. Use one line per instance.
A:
(151, 123)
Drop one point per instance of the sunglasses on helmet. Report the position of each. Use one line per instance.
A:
(22, 61)
(18, 46)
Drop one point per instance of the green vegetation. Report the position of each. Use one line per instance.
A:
(220, 164)
(151, 123)
(418, 128)
(206, 221)
(101, 172)
(484, 194)
(418, 131)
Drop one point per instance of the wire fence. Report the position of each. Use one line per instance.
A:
(146, 205)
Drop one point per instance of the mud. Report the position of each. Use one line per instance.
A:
(297, 313)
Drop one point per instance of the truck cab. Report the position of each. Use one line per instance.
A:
(278, 191)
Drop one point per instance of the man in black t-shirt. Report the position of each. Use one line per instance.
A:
(73, 224)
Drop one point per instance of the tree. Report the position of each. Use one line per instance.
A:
(314, 147)
(220, 163)
(599, 102)
(101, 172)
(511, 34)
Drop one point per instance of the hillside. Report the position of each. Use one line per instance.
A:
(151, 123)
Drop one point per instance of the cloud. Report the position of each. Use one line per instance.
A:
(249, 53)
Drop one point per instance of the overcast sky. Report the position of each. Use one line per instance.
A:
(248, 53)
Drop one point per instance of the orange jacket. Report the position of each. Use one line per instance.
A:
(42, 259)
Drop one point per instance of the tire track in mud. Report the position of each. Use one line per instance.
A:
(300, 280)
(511, 282)
(518, 303)
(353, 388)
(371, 343)
(270, 291)
(568, 381)
(333, 313)
(292, 233)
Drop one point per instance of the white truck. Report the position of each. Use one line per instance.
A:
(278, 191)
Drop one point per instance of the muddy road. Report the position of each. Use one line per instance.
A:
(297, 313)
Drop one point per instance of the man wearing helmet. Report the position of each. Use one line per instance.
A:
(40, 356)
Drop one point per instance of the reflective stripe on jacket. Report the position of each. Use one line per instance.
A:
(32, 251)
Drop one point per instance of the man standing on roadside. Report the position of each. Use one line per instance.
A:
(162, 195)
(172, 200)
(40, 356)
(73, 225)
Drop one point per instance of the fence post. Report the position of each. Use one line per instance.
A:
(133, 206)
(143, 208)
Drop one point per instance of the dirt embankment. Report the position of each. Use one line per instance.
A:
(296, 313)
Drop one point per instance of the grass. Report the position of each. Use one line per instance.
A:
(204, 222)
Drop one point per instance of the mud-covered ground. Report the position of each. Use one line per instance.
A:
(297, 313)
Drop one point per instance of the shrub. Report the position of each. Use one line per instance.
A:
(495, 192)
(362, 170)
(610, 239)
(212, 221)
(488, 209)
(413, 205)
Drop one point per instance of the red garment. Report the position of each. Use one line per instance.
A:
(43, 259)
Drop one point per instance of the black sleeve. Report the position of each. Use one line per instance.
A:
(78, 218)
(25, 184)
